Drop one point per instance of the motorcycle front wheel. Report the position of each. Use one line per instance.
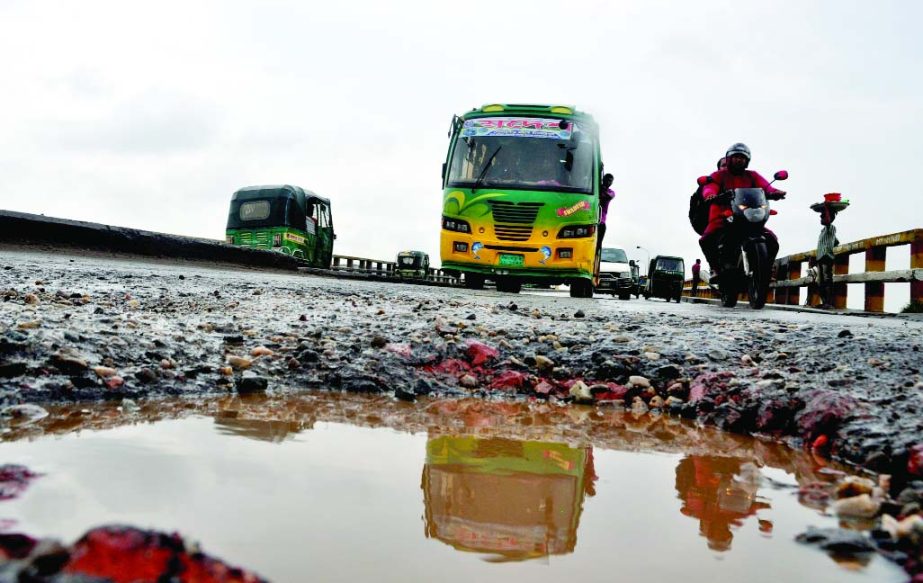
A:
(729, 287)
(758, 258)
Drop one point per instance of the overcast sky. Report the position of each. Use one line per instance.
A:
(150, 115)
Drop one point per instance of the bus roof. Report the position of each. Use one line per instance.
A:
(517, 109)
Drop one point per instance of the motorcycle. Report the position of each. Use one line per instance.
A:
(743, 251)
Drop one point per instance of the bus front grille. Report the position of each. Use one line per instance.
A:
(513, 232)
(513, 221)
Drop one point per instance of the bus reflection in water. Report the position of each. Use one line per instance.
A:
(721, 493)
(515, 500)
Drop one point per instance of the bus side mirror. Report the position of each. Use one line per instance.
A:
(443, 170)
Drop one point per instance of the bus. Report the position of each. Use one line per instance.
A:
(521, 197)
(514, 499)
(284, 218)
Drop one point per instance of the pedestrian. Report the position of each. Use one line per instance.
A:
(812, 282)
(606, 194)
(696, 276)
(826, 242)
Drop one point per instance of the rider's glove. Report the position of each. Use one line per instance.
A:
(779, 195)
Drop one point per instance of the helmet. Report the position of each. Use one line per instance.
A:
(738, 148)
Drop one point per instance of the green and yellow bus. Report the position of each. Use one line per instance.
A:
(521, 197)
(515, 499)
(284, 218)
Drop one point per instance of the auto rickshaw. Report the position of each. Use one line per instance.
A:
(284, 218)
(412, 265)
(665, 278)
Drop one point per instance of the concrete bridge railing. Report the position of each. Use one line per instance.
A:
(787, 283)
(382, 268)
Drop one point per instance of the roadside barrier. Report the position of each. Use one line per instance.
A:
(873, 278)
(386, 269)
(786, 286)
(363, 265)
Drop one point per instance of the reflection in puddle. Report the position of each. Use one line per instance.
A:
(518, 499)
(720, 492)
(355, 487)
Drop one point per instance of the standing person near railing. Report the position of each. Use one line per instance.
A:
(825, 256)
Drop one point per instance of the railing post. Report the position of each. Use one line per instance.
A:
(781, 269)
(916, 262)
(794, 293)
(875, 290)
(840, 267)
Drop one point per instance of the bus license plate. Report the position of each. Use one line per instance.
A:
(506, 259)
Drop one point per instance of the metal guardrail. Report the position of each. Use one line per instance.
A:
(787, 284)
(384, 269)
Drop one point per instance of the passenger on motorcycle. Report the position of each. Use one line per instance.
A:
(734, 176)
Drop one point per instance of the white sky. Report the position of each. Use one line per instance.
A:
(150, 114)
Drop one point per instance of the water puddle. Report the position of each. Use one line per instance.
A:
(350, 487)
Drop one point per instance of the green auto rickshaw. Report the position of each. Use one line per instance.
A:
(285, 218)
(412, 265)
(665, 278)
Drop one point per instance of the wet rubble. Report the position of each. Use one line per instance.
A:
(74, 331)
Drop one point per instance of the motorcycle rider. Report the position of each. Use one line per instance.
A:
(734, 176)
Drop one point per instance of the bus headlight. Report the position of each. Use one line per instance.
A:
(456, 225)
(277, 240)
(229, 239)
(576, 231)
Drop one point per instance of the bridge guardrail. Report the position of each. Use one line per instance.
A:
(382, 268)
(787, 284)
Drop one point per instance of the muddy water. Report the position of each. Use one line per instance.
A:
(347, 487)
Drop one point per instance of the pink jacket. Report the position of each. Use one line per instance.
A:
(722, 180)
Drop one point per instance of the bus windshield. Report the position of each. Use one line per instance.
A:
(520, 153)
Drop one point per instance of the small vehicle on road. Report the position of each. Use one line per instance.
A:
(665, 276)
(617, 275)
(283, 218)
(412, 265)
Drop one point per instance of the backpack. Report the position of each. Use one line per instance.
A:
(698, 211)
(699, 207)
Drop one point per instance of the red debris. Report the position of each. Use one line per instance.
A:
(544, 387)
(708, 383)
(820, 442)
(450, 366)
(479, 353)
(14, 479)
(915, 462)
(124, 554)
(509, 379)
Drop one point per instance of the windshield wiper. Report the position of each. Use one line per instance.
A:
(486, 168)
